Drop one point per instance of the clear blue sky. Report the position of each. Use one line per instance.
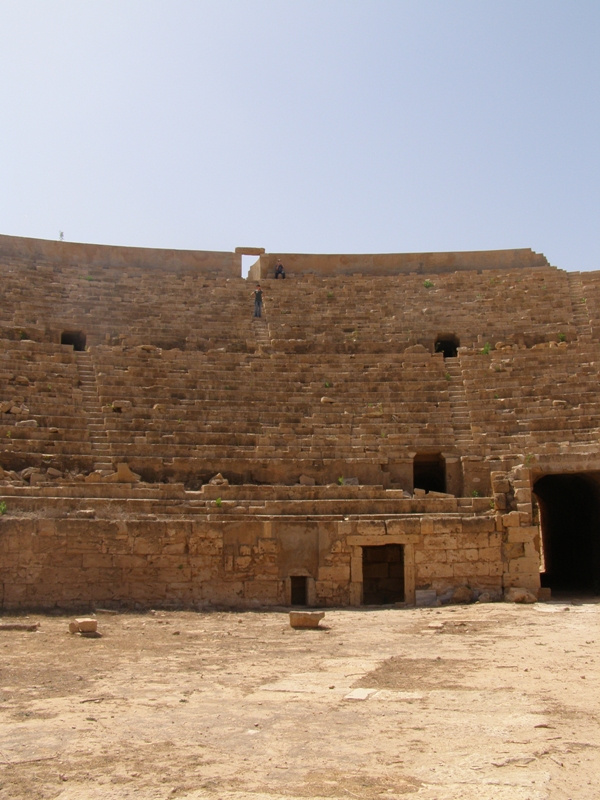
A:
(317, 126)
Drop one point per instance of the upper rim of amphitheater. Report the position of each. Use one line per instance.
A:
(228, 263)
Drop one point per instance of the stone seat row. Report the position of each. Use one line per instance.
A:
(388, 435)
(279, 381)
(255, 390)
(218, 454)
(196, 365)
(66, 433)
(142, 504)
(357, 411)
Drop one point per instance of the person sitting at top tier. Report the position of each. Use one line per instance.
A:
(279, 270)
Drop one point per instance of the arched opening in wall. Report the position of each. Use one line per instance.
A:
(383, 574)
(447, 344)
(74, 338)
(429, 472)
(570, 526)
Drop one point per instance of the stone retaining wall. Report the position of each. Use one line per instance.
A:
(223, 264)
(396, 263)
(70, 563)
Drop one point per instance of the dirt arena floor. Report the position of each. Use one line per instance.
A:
(483, 702)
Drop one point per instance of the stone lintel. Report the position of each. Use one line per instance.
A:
(249, 251)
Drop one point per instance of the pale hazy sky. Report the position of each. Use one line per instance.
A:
(317, 126)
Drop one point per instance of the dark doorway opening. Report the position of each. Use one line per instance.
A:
(75, 338)
(383, 574)
(299, 590)
(429, 472)
(448, 345)
(570, 525)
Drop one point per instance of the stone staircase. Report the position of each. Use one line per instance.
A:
(261, 332)
(93, 412)
(459, 407)
(581, 318)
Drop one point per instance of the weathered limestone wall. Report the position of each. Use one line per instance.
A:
(317, 415)
(243, 563)
(210, 262)
(397, 263)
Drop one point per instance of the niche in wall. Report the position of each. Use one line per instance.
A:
(74, 338)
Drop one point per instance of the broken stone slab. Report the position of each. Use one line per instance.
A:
(306, 480)
(518, 594)
(306, 619)
(218, 480)
(84, 625)
(26, 423)
(360, 694)
(19, 626)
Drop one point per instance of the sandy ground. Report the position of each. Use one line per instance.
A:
(484, 702)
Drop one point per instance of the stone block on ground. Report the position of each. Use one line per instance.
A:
(306, 619)
(462, 594)
(84, 625)
(518, 594)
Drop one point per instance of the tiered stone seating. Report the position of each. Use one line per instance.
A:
(532, 400)
(211, 394)
(172, 501)
(41, 413)
(219, 407)
(185, 310)
(589, 300)
(317, 414)
(378, 314)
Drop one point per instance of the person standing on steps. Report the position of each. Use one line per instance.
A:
(258, 301)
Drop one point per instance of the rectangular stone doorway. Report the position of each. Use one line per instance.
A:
(299, 590)
(383, 574)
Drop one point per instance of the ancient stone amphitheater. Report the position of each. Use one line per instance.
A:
(405, 428)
